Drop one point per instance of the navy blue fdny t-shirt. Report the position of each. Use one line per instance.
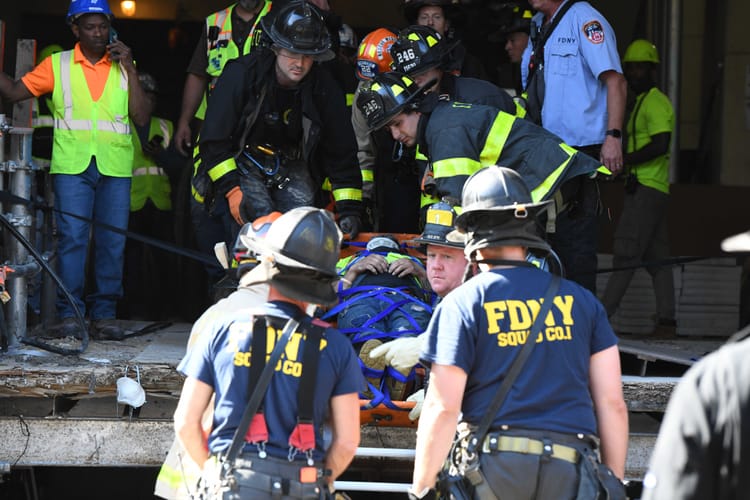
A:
(481, 326)
(222, 360)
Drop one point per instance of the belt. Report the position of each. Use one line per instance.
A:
(496, 442)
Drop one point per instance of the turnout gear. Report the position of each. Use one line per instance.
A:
(80, 7)
(381, 100)
(641, 51)
(418, 49)
(300, 28)
(374, 54)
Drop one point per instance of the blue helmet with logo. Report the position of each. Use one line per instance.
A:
(80, 7)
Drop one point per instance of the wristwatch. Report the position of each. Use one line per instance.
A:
(614, 132)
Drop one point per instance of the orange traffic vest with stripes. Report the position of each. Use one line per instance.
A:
(86, 128)
(223, 49)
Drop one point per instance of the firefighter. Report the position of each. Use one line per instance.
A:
(458, 138)
(179, 475)
(442, 16)
(275, 126)
(542, 438)
(445, 266)
(423, 54)
(389, 171)
(286, 456)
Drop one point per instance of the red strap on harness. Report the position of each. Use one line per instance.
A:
(303, 436)
(258, 430)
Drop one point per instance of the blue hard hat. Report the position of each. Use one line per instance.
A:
(80, 7)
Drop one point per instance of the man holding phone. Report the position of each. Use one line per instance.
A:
(92, 158)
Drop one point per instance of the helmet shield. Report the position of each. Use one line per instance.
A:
(386, 96)
(373, 54)
(418, 49)
(439, 222)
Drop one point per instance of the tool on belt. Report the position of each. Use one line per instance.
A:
(252, 427)
(270, 162)
(464, 455)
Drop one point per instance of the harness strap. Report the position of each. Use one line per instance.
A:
(257, 432)
(303, 435)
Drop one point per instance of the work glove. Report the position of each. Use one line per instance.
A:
(234, 199)
(418, 399)
(402, 353)
(350, 225)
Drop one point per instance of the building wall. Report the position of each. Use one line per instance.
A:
(735, 116)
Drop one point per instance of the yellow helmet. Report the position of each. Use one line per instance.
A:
(641, 51)
(48, 51)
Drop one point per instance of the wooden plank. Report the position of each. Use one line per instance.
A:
(25, 55)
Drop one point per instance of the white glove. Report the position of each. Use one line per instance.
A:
(402, 354)
(418, 398)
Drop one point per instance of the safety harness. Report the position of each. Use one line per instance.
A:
(397, 298)
(302, 438)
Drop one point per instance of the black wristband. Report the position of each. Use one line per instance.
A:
(614, 132)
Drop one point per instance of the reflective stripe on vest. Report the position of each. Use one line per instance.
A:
(149, 180)
(221, 53)
(86, 128)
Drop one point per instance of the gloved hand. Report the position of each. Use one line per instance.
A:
(418, 398)
(402, 353)
(350, 225)
(234, 198)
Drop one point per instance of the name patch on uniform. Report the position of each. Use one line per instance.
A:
(511, 320)
(594, 31)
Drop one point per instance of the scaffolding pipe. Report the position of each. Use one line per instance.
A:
(20, 182)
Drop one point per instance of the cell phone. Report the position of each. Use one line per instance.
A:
(113, 35)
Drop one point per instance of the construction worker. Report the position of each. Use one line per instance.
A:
(147, 269)
(42, 119)
(389, 172)
(178, 476)
(227, 34)
(423, 54)
(642, 233)
(541, 441)
(446, 267)
(278, 127)
(95, 96)
(458, 138)
(287, 456)
(442, 16)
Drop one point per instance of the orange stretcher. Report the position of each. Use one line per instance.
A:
(382, 415)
